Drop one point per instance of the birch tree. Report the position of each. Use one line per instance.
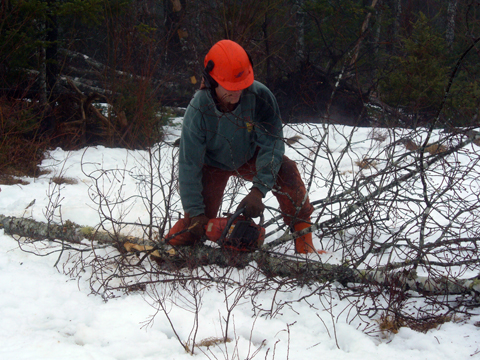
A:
(451, 14)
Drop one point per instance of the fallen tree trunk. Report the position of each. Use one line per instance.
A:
(270, 263)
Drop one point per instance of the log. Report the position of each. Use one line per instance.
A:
(271, 264)
(69, 231)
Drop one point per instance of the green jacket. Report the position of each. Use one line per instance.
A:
(229, 140)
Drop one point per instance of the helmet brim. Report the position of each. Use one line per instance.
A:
(242, 83)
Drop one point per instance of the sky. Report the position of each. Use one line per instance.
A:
(47, 314)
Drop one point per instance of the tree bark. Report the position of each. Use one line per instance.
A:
(52, 47)
(397, 8)
(271, 264)
(300, 32)
(363, 32)
(451, 14)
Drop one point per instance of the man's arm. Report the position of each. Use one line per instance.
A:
(269, 139)
(191, 160)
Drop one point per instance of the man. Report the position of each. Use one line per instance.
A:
(232, 127)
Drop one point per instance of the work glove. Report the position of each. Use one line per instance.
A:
(253, 204)
(197, 225)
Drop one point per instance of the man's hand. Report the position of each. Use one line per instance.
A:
(197, 225)
(253, 204)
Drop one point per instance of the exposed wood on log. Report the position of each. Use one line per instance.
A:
(271, 264)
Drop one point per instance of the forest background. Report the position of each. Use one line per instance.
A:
(367, 63)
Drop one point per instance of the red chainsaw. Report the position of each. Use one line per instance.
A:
(236, 232)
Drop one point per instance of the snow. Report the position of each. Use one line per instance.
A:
(48, 315)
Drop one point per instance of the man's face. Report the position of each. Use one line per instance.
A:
(228, 97)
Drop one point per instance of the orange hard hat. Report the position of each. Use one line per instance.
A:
(232, 66)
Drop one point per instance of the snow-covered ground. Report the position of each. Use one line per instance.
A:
(45, 314)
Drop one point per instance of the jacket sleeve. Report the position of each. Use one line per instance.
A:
(269, 140)
(191, 159)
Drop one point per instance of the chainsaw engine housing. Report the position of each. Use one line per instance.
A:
(241, 235)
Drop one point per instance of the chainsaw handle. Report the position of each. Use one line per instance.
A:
(230, 222)
(240, 211)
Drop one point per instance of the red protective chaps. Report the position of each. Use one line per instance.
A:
(289, 190)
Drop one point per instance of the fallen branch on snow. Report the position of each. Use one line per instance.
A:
(271, 264)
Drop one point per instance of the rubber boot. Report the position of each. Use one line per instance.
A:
(304, 244)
